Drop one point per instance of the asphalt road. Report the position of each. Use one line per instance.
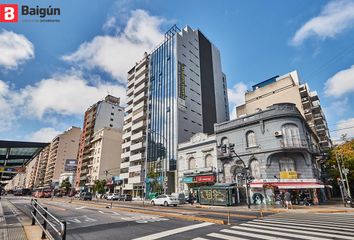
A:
(96, 223)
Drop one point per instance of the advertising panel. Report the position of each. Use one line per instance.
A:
(70, 165)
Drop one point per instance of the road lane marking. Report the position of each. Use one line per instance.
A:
(248, 234)
(278, 233)
(173, 231)
(298, 231)
(226, 237)
(82, 207)
(299, 226)
(199, 238)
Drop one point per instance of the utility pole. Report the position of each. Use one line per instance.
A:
(345, 171)
(341, 185)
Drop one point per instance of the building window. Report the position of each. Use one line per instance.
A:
(111, 125)
(291, 135)
(286, 164)
(112, 119)
(191, 163)
(251, 139)
(208, 160)
(255, 169)
(112, 114)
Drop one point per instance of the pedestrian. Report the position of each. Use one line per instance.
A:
(287, 199)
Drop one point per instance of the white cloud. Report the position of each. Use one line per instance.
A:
(340, 83)
(67, 94)
(14, 49)
(7, 115)
(236, 96)
(344, 127)
(335, 17)
(44, 135)
(117, 54)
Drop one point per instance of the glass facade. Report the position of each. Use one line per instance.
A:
(162, 124)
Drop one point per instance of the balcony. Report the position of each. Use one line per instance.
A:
(141, 71)
(293, 143)
(124, 175)
(140, 88)
(126, 144)
(139, 125)
(128, 125)
(136, 136)
(130, 99)
(126, 135)
(133, 180)
(140, 97)
(137, 146)
(125, 154)
(321, 128)
(130, 91)
(138, 156)
(125, 164)
(136, 168)
(129, 108)
(138, 106)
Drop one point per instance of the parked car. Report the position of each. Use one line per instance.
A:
(113, 196)
(165, 200)
(125, 197)
(86, 196)
(180, 196)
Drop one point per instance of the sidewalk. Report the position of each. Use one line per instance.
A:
(10, 226)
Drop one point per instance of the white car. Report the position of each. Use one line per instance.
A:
(165, 200)
(113, 196)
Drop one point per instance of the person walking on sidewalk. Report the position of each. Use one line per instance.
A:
(287, 199)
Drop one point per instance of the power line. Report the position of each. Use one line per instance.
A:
(339, 129)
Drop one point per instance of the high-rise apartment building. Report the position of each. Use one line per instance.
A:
(187, 94)
(41, 166)
(288, 89)
(106, 153)
(105, 113)
(134, 131)
(64, 146)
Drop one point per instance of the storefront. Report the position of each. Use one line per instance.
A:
(194, 182)
(303, 191)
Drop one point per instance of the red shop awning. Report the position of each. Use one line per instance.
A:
(290, 185)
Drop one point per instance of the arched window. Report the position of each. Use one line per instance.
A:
(208, 160)
(224, 141)
(251, 139)
(191, 163)
(291, 135)
(255, 169)
(286, 164)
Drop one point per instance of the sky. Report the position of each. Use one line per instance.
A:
(50, 73)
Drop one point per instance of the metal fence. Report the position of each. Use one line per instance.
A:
(52, 227)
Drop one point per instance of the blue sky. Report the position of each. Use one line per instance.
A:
(51, 72)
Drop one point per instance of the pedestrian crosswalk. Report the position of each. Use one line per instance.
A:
(289, 226)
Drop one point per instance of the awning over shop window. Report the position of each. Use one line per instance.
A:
(289, 185)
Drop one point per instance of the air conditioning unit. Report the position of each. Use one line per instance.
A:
(278, 133)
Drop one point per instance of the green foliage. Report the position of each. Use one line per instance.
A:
(66, 185)
(99, 186)
(345, 154)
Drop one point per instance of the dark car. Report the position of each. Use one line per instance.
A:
(85, 196)
(125, 197)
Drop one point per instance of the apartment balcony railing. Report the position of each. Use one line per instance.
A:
(293, 143)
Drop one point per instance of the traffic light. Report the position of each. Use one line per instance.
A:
(232, 147)
(223, 148)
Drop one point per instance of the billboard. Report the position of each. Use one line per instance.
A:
(70, 165)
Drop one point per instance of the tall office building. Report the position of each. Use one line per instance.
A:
(288, 89)
(187, 94)
(63, 147)
(105, 113)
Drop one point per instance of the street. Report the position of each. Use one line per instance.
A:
(92, 220)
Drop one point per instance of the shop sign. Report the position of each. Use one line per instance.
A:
(15, 169)
(288, 175)
(188, 179)
(210, 178)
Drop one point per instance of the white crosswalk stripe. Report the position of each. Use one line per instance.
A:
(286, 226)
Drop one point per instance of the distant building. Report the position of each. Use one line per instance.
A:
(277, 145)
(197, 163)
(105, 113)
(287, 88)
(67, 175)
(64, 146)
(106, 155)
(41, 166)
